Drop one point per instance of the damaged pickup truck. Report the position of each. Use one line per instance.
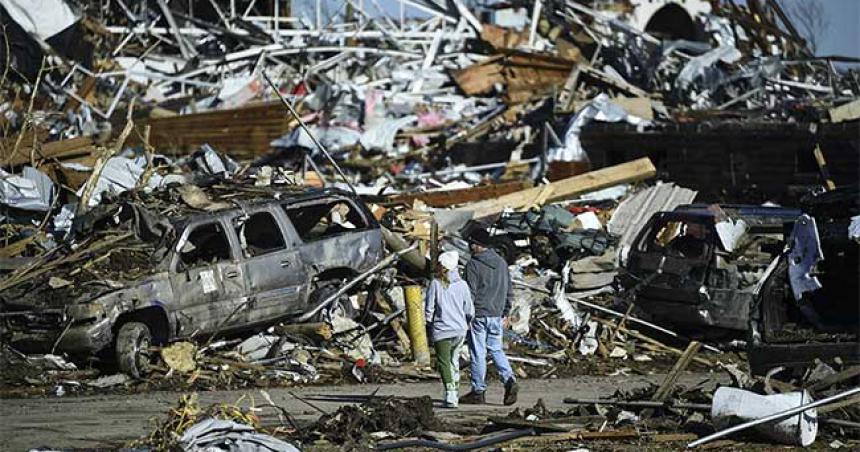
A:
(136, 278)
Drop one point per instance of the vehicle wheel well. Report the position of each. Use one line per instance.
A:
(154, 317)
(336, 274)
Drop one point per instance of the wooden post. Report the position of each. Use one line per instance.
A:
(822, 168)
(665, 389)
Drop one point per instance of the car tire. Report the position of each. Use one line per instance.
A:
(132, 349)
(506, 248)
(324, 290)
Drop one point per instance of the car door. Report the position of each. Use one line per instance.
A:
(206, 278)
(271, 264)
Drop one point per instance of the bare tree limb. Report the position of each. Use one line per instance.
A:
(810, 19)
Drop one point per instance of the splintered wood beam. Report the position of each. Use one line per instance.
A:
(447, 198)
(564, 189)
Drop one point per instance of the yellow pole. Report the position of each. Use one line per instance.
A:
(416, 324)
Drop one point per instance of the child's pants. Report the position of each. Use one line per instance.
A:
(448, 363)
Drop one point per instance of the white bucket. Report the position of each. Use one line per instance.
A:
(731, 406)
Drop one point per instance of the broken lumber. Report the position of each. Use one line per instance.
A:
(665, 390)
(319, 330)
(564, 189)
(396, 324)
(447, 198)
(652, 341)
(838, 377)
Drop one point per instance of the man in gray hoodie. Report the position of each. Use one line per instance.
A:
(492, 293)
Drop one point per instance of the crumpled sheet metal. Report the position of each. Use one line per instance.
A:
(212, 435)
(805, 252)
(32, 190)
(632, 214)
(381, 135)
(854, 228)
(698, 66)
(118, 175)
(599, 109)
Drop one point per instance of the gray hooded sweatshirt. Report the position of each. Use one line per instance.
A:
(490, 282)
(448, 310)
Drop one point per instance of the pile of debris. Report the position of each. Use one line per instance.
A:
(197, 195)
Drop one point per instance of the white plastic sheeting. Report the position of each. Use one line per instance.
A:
(599, 109)
(211, 435)
(381, 135)
(334, 138)
(32, 190)
(118, 175)
(696, 66)
(733, 405)
(40, 18)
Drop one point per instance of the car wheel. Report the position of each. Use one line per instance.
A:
(506, 248)
(544, 251)
(341, 307)
(132, 349)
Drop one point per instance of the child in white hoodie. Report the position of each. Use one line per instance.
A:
(448, 310)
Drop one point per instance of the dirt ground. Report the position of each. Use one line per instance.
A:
(113, 420)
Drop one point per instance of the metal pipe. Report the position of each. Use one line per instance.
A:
(639, 403)
(481, 443)
(773, 417)
(307, 131)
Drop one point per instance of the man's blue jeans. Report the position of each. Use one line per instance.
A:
(485, 335)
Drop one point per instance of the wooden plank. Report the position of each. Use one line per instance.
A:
(52, 150)
(396, 324)
(665, 388)
(564, 189)
(830, 380)
(654, 342)
(447, 198)
(245, 131)
(319, 330)
(845, 112)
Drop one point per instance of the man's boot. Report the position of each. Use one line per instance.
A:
(511, 389)
(473, 398)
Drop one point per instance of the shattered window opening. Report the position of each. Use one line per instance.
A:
(207, 244)
(679, 238)
(317, 221)
(259, 234)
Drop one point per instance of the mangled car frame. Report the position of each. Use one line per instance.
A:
(138, 278)
(771, 275)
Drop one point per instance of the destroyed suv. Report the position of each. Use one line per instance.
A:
(136, 278)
